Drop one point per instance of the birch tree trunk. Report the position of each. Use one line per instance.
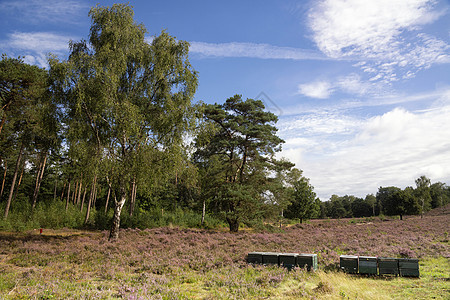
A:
(203, 212)
(114, 233)
(107, 199)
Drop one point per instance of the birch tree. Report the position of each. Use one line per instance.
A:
(125, 94)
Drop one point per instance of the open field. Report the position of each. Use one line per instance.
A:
(174, 263)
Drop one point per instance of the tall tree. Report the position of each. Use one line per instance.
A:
(126, 95)
(25, 113)
(242, 148)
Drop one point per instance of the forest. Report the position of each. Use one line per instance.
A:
(111, 137)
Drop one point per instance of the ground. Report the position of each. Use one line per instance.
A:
(177, 263)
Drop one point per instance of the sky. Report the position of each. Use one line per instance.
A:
(361, 88)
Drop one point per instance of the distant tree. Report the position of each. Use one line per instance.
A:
(395, 201)
(361, 208)
(439, 196)
(304, 204)
(337, 209)
(371, 201)
(423, 194)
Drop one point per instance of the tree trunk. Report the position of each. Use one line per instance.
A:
(80, 189)
(20, 181)
(107, 199)
(234, 224)
(62, 193)
(84, 196)
(401, 217)
(133, 193)
(203, 212)
(39, 177)
(4, 178)
(8, 203)
(68, 196)
(91, 198)
(54, 193)
(118, 205)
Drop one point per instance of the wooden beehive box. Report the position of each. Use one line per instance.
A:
(367, 265)
(288, 260)
(387, 266)
(408, 267)
(349, 263)
(307, 260)
(270, 258)
(255, 257)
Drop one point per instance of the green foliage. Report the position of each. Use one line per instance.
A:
(125, 99)
(304, 204)
(239, 155)
(46, 215)
(153, 218)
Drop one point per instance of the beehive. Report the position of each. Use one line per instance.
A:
(367, 265)
(288, 260)
(349, 263)
(408, 267)
(270, 258)
(255, 257)
(388, 266)
(307, 260)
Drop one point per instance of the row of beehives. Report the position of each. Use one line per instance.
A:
(371, 265)
(288, 260)
(367, 265)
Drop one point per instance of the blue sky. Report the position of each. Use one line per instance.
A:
(361, 88)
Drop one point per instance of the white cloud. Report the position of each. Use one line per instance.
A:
(383, 33)
(54, 11)
(317, 89)
(351, 84)
(38, 41)
(252, 50)
(35, 46)
(343, 154)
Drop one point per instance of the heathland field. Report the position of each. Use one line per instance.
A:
(177, 263)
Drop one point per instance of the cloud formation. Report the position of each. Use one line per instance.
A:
(384, 35)
(344, 154)
(36, 46)
(350, 84)
(53, 11)
(252, 50)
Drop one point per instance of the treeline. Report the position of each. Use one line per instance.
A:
(111, 135)
(389, 201)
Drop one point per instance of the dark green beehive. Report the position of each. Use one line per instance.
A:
(255, 257)
(288, 260)
(408, 267)
(270, 258)
(368, 265)
(349, 263)
(388, 266)
(307, 260)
